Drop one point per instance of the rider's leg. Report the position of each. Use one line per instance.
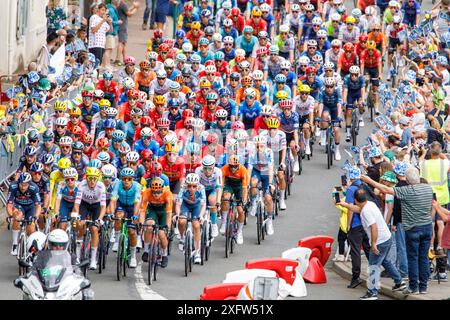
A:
(132, 234)
(282, 187)
(117, 224)
(212, 201)
(225, 206)
(17, 216)
(348, 122)
(196, 229)
(323, 127)
(80, 226)
(337, 140)
(375, 97)
(253, 192)
(94, 246)
(306, 129)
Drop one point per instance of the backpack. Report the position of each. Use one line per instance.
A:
(370, 194)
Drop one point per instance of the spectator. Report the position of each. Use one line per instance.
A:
(445, 216)
(45, 55)
(381, 240)
(99, 24)
(123, 13)
(55, 15)
(162, 11)
(111, 37)
(148, 13)
(406, 135)
(416, 201)
(376, 159)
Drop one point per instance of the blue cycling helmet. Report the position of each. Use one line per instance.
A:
(180, 34)
(127, 172)
(37, 167)
(224, 91)
(103, 156)
(195, 57)
(95, 163)
(24, 177)
(109, 124)
(203, 41)
(280, 78)
(48, 135)
(48, 159)
(118, 136)
(33, 77)
(33, 135)
(30, 151)
(174, 102)
(212, 95)
(219, 55)
(107, 75)
(193, 147)
(77, 145)
(354, 173)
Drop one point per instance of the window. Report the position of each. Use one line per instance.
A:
(22, 18)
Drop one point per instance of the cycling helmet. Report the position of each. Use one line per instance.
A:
(161, 73)
(273, 123)
(159, 100)
(75, 111)
(124, 148)
(48, 135)
(273, 49)
(211, 69)
(317, 21)
(396, 19)
(208, 161)
(321, 34)
(247, 29)
(246, 81)
(70, 173)
(77, 131)
(354, 69)
(78, 145)
(108, 170)
(263, 35)
(111, 112)
(65, 141)
(104, 103)
(107, 75)
(286, 103)
(144, 65)
(328, 65)
(266, 110)
(169, 63)
(329, 81)
(212, 95)
(37, 167)
(260, 140)
(336, 43)
(311, 43)
(60, 106)
(192, 178)
(227, 23)
(157, 184)
(132, 156)
(350, 20)
(64, 163)
(371, 44)
(237, 125)
(133, 93)
(33, 135)
(304, 60)
(198, 123)
(180, 34)
(128, 83)
(217, 37)
(335, 17)
(181, 57)
(127, 172)
(24, 177)
(280, 78)
(136, 112)
(48, 159)
(170, 138)
(258, 75)
(193, 147)
(152, 55)
(103, 143)
(205, 83)
(363, 38)
(285, 64)
(147, 154)
(250, 92)
(310, 70)
(129, 60)
(146, 121)
(103, 156)
(349, 47)
(57, 238)
(95, 164)
(163, 47)
(281, 94)
(171, 148)
(235, 76)
(203, 42)
(174, 86)
(356, 13)
(191, 96)
(196, 58)
(186, 47)
(224, 91)
(284, 28)
(304, 88)
(36, 242)
(163, 123)
(109, 124)
(264, 7)
(146, 132)
(209, 31)
(233, 160)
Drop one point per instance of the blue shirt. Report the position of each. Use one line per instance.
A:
(350, 198)
(126, 197)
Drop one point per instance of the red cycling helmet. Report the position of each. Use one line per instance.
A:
(187, 113)
(163, 123)
(157, 169)
(170, 42)
(146, 121)
(363, 38)
(287, 103)
(235, 12)
(188, 121)
(163, 47)
(130, 61)
(310, 70)
(133, 93)
(209, 63)
(237, 125)
(349, 47)
(147, 154)
(212, 137)
(103, 143)
(188, 6)
(158, 33)
(87, 93)
(77, 131)
(87, 139)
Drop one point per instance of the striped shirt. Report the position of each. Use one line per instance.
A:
(415, 201)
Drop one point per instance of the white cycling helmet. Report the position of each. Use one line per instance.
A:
(245, 64)
(146, 132)
(70, 173)
(258, 75)
(274, 49)
(152, 55)
(228, 39)
(169, 63)
(208, 161)
(240, 135)
(57, 238)
(354, 69)
(65, 141)
(295, 7)
(266, 110)
(36, 241)
(111, 112)
(264, 7)
(128, 83)
(226, 5)
(108, 170)
(284, 28)
(211, 69)
(304, 60)
(330, 81)
(161, 73)
(250, 92)
(192, 178)
(221, 113)
(311, 43)
(187, 47)
(317, 20)
(232, 144)
(170, 138)
(217, 37)
(240, 52)
(260, 140)
(336, 43)
(132, 156)
(396, 19)
(328, 65)
(61, 121)
(321, 33)
(285, 64)
(227, 23)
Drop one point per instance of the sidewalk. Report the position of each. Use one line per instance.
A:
(436, 291)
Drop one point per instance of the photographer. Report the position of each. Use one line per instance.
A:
(99, 24)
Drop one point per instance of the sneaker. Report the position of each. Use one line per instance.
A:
(339, 258)
(354, 283)
(296, 166)
(145, 256)
(348, 137)
(223, 227)
(133, 262)
(361, 123)
(214, 230)
(269, 225)
(164, 261)
(240, 238)
(197, 258)
(144, 26)
(440, 277)
(93, 264)
(14, 250)
(408, 292)
(115, 247)
(181, 245)
(399, 286)
(369, 296)
(337, 155)
(282, 204)
(307, 149)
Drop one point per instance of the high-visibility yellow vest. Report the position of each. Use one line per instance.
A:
(435, 171)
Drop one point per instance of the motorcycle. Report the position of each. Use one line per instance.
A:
(52, 277)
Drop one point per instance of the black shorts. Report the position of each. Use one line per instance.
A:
(393, 43)
(289, 137)
(374, 75)
(175, 186)
(89, 211)
(302, 120)
(98, 53)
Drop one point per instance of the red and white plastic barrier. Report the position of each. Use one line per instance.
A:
(320, 252)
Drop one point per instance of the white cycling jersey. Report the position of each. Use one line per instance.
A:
(212, 182)
(91, 196)
(304, 108)
(277, 142)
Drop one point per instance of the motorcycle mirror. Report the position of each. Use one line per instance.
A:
(18, 283)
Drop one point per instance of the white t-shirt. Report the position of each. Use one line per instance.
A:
(370, 214)
(97, 39)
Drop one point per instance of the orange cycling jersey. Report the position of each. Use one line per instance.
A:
(380, 40)
(165, 199)
(240, 174)
(144, 81)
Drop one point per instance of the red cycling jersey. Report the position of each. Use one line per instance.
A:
(174, 171)
(346, 62)
(260, 26)
(371, 61)
(239, 23)
(209, 115)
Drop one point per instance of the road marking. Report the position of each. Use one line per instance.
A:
(142, 288)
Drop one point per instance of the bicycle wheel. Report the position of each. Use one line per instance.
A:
(126, 256)
(100, 253)
(370, 104)
(209, 238)
(187, 253)
(203, 241)
(329, 152)
(106, 240)
(170, 236)
(258, 224)
(287, 179)
(354, 128)
(86, 248)
(21, 252)
(263, 225)
(151, 262)
(156, 264)
(119, 258)
(228, 235)
(233, 235)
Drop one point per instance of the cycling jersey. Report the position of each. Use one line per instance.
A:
(249, 114)
(261, 161)
(345, 35)
(354, 87)
(91, 196)
(63, 192)
(174, 171)
(42, 151)
(87, 115)
(277, 142)
(229, 55)
(156, 89)
(210, 183)
(44, 187)
(111, 92)
(248, 46)
(149, 201)
(126, 197)
(240, 175)
(288, 125)
(303, 108)
(371, 61)
(28, 198)
(347, 61)
(153, 146)
(330, 101)
(198, 197)
(81, 166)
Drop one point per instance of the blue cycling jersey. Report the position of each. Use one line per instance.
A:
(289, 125)
(273, 93)
(127, 197)
(197, 197)
(65, 194)
(330, 101)
(249, 114)
(153, 146)
(230, 107)
(354, 86)
(247, 46)
(129, 131)
(315, 86)
(262, 161)
(28, 198)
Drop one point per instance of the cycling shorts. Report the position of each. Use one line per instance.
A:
(191, 211)
(374, 75)
(65, 208)
(234, 188)
(89, 211)
(352, 98)
(289, 138)
(302, 120)
(263, 178)
(157, 214)
(333, 112)
(28, 211)
(393, 43)
(175, 186)
(210, 192)
(285, 55)
(129, 210)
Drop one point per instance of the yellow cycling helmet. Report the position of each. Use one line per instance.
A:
(60, 106)
(64, 163)
(256, 12)
(171, 147)
(350, 19)
(159, 100)
(282, 95)
(233, 160)
(205, 83)
(157, 184)
(304, 88)
(273, 123)
(104, 103)
(195, 25)
(93, 172)
(75, 112)
(371, 44)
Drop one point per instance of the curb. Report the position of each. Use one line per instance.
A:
(345, 272)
